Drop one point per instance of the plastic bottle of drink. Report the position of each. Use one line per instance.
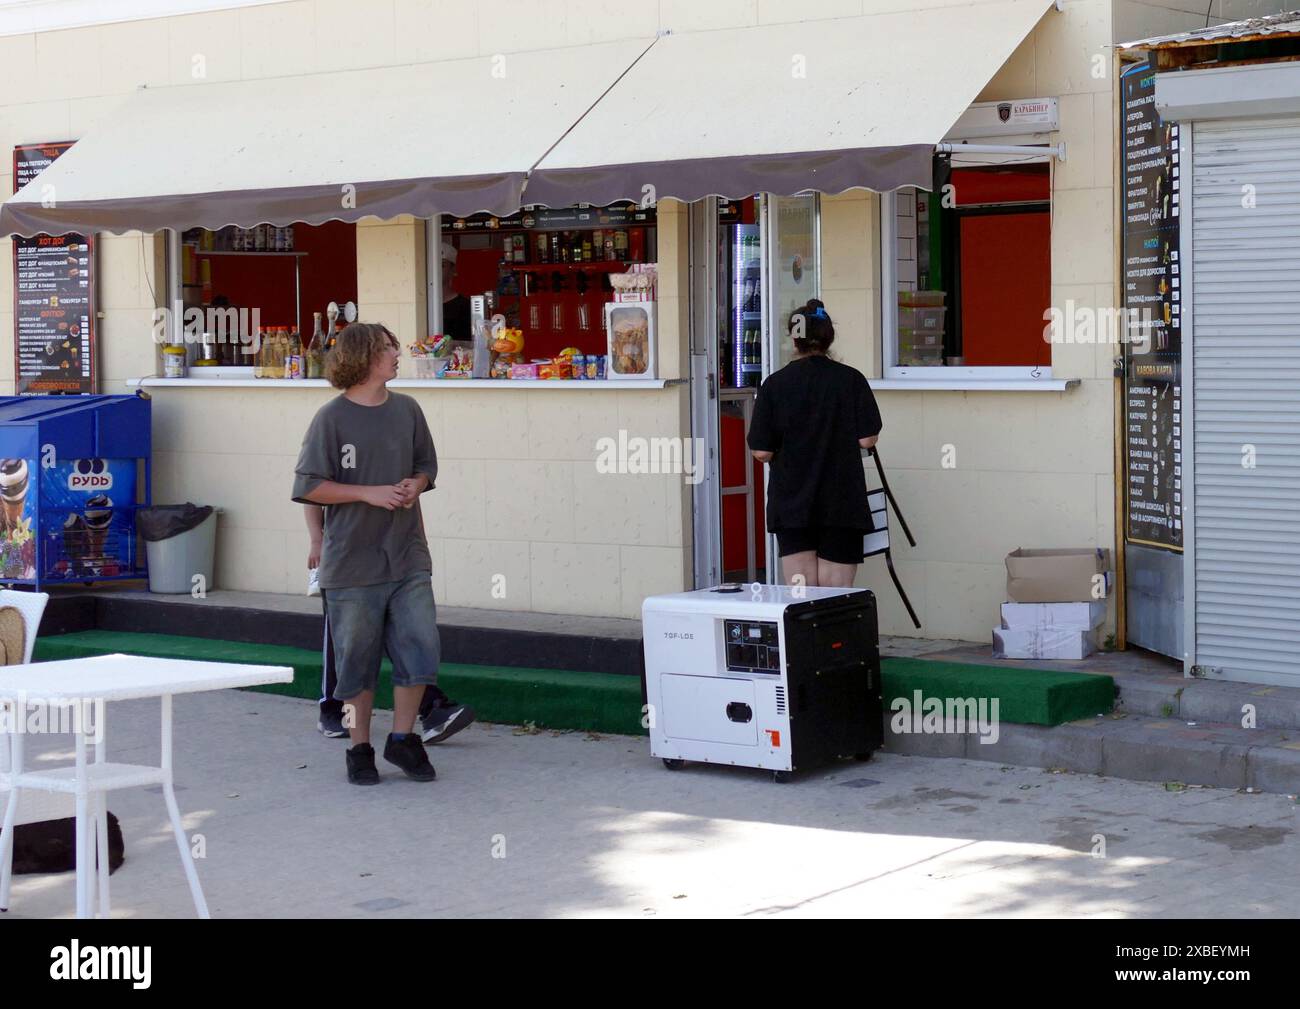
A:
(285, 365)
(295, 361)
(263, 354)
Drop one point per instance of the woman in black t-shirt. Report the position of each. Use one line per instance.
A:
(810, 421)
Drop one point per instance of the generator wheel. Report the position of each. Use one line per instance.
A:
(780, 777)
(863, 757)
(673, 764)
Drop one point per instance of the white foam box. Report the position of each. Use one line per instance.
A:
(1071, 616)
(1043, 643)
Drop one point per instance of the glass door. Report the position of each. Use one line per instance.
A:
(790, 240)
(792, 268)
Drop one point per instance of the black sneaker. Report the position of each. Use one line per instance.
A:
(331, 725)
(409, 755)
(361, 765)
(443, 722)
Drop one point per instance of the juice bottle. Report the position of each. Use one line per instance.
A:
(295, 360)
(263, 355)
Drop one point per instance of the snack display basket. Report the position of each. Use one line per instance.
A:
(632, 340)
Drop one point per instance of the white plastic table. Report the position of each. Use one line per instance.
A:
(93, 682)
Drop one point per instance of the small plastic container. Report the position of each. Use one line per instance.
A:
(426, 366)
(173, 361)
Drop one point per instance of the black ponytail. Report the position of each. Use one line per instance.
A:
(818, 332)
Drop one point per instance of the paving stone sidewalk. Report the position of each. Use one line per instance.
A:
(596, 827)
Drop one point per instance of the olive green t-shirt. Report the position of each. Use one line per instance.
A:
(353, 444)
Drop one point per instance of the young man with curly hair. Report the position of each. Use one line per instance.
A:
(367, 457)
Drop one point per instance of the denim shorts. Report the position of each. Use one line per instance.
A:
(397, 617)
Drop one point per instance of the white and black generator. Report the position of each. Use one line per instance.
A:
(776, 677)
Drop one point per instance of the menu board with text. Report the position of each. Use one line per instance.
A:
(1153, 349)
(54, 298)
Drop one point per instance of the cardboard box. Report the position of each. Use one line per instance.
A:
(1055, 576)
(1065, 616)
(1042, 643)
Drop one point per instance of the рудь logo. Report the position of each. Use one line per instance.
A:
(90, 474)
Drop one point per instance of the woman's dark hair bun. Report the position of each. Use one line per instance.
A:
(817, 328)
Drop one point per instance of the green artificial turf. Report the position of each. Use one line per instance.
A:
(1028, 696)
(549, 698)
(607, 702)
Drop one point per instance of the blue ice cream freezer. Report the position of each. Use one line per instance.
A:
(73, 472)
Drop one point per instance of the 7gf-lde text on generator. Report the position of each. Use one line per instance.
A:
(776, 677)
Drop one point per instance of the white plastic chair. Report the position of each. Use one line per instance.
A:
(33, 807)
(32, 606)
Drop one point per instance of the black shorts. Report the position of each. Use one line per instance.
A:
(838, 544)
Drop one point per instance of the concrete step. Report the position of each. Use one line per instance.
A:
(473, 637)
(1132, 746)
(1208, 701)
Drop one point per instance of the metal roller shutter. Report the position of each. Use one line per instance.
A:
(1246, 393)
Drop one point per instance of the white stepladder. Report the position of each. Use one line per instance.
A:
(877, 541)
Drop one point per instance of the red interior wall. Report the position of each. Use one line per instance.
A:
(1006, 280)
(986, 185)
(734, 456)
(327, 273)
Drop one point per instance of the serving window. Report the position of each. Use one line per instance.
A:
(259, 280)
(971, 265)
(550, 273)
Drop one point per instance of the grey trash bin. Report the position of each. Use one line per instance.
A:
(180, 542)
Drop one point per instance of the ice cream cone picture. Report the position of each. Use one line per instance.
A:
(13, 490)
(74, 540)
(98, 516)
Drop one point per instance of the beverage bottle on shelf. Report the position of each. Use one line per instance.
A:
(263, 354)
(542, 255)
(314, 353)
(620, 244)
(294, 362)
(586, 247)
(281, 362)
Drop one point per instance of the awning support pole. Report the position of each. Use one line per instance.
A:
(1056, 151)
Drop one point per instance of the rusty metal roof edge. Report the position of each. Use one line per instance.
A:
(1272, 26)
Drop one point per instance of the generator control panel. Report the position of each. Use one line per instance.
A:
(752, 646)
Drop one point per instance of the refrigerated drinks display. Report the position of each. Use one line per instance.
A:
(741, 353)
(740, 372)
